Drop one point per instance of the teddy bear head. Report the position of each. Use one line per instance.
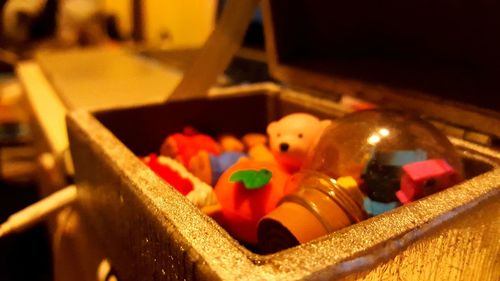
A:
(292, 137)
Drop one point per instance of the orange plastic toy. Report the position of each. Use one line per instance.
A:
(246, 192)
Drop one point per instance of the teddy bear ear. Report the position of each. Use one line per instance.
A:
(271, 128)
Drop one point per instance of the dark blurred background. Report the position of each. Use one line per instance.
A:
(27, 255)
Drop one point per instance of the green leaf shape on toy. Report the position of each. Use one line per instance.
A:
(252, 179)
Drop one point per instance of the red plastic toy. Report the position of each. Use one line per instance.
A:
(183, 146)
(184, 186)
(247, 191)
(422, 178)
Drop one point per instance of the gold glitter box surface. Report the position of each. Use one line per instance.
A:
(151, 232)
(148, 229)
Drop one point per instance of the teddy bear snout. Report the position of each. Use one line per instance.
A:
(284, 147)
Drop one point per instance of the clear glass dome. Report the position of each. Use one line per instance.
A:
(367, 145)
(364, 164)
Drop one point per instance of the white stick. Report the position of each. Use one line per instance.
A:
(38, 211)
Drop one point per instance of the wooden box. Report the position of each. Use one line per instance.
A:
(151, 232)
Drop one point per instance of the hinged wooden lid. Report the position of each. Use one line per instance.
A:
(440, 58)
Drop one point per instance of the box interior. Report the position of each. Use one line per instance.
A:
(143, 129)
(446, 49)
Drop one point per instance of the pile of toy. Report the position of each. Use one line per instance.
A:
(307, 177)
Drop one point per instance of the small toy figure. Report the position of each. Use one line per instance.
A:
(181, 184)
(293, 136)
(209, 167)
(425, 177)
(382, 174)
(399, 158)
(183, 146)
(261, 153)
(230, 143)
(254, 139)
(246, 192)
(381, 178)
(173, 172)
(374, 208)
(257, 148)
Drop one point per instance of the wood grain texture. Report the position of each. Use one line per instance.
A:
(218, 51)
(471, 117)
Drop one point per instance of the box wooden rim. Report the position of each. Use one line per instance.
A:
(337, 253)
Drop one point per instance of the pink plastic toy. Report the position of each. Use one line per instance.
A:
(292, 137)
(422, 178)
